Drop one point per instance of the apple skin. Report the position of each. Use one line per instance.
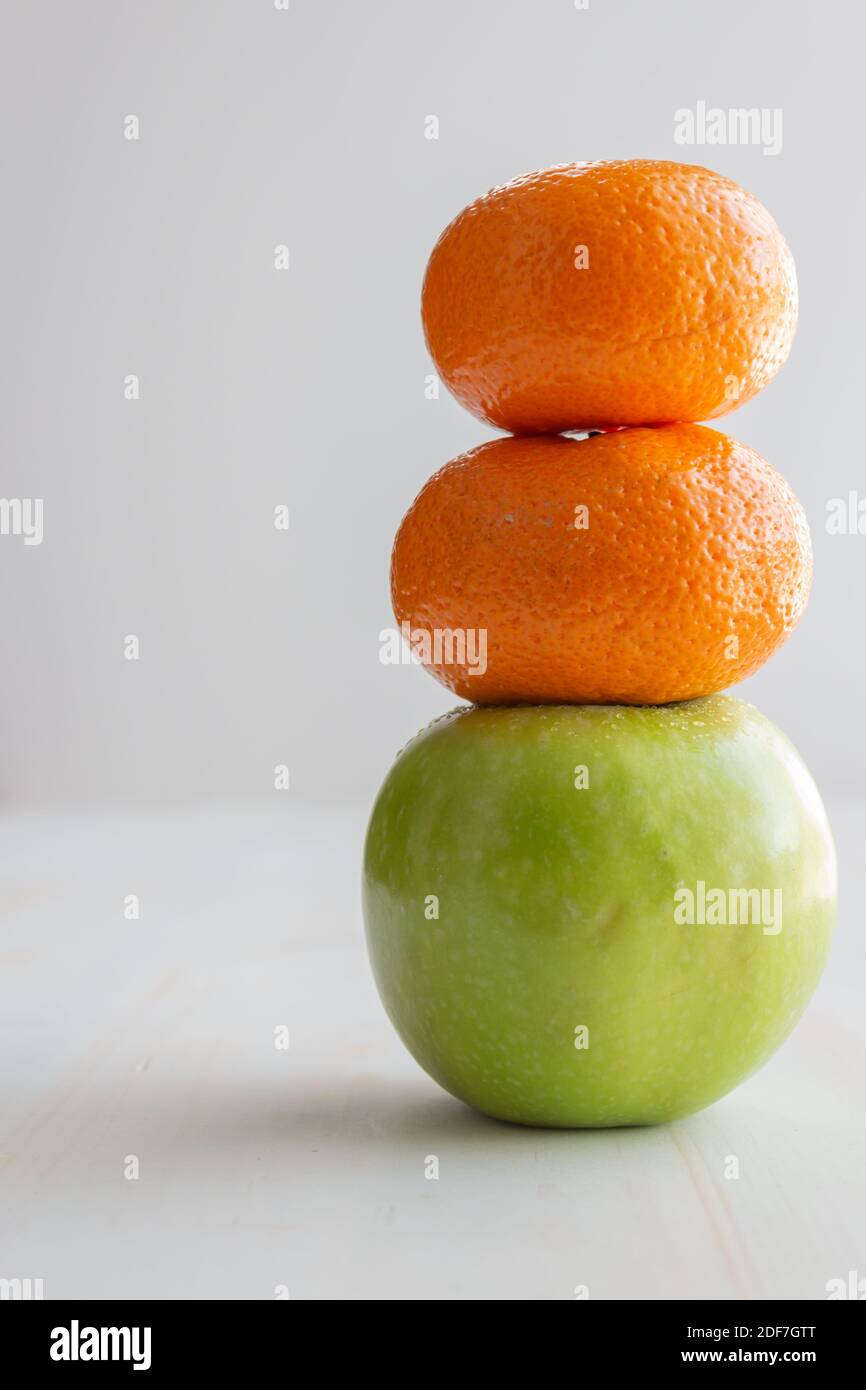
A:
(556, 905)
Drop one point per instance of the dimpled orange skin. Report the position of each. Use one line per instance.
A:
(687, 308)
(693, 568)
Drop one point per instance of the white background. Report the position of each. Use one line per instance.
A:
(306, 387)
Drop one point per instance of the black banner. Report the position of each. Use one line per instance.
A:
(219, 1339)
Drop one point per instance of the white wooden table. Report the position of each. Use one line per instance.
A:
(261, 1168)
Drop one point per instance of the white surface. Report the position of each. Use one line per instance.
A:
(306, 1168)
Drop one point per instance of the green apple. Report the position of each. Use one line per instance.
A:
(597, 915)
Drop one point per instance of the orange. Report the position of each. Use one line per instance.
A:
(630, 292)
(636, 567)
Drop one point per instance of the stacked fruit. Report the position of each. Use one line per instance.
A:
(605, 893)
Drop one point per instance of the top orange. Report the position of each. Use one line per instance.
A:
(629, 292)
